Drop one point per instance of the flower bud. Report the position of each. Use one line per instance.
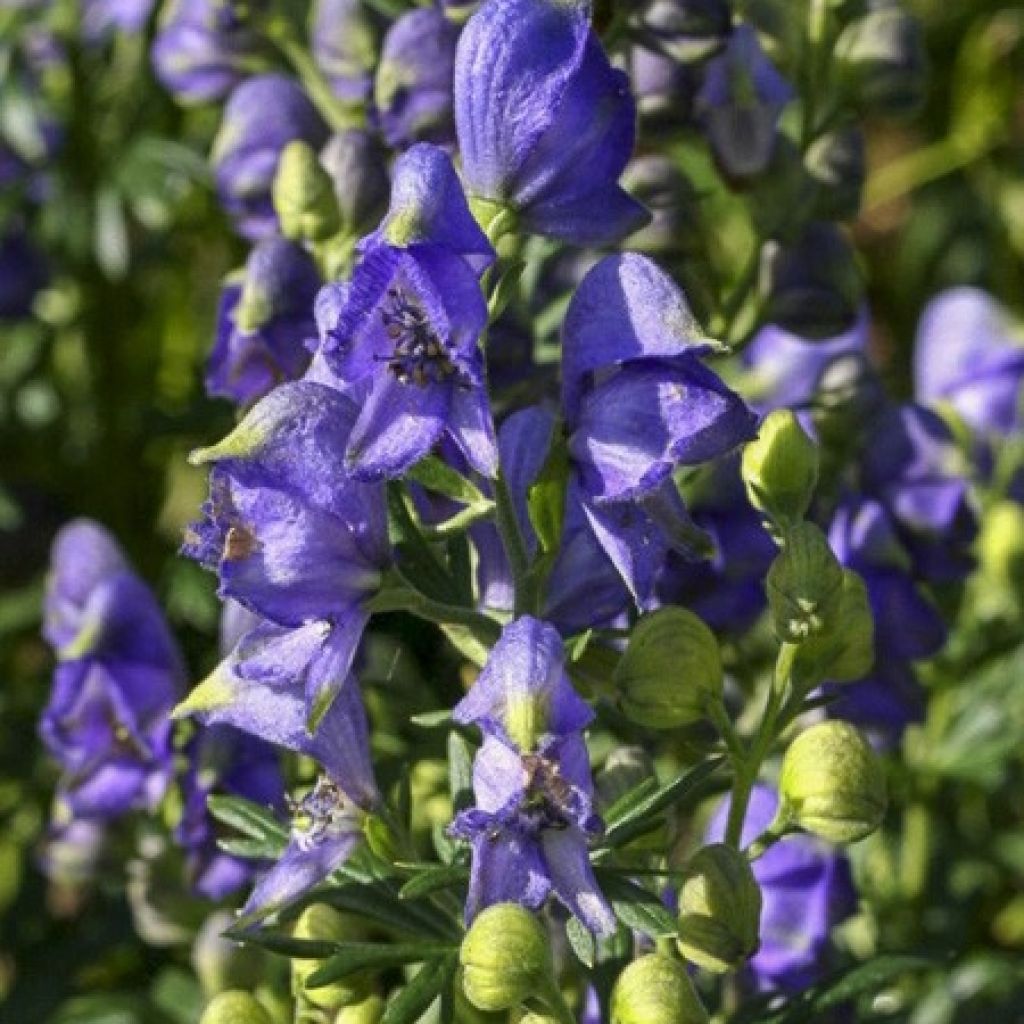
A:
(356, 164)
(304, 196)
(882, 61)
(689, 31)
(780, 468)
(222, 964)
(847, 652)
(846, 397)
(343, 37)
(832, 784)
(320, 921)
(670, 670)
(656, 990)
(836, 163)
(810, 286)
(369, 1011)
(505, 958)
(1001, 545)
(719, 909)
(658, 183)
(805, 585)
(235, 1007)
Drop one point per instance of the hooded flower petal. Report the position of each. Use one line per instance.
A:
(568, 864)
(507, 867)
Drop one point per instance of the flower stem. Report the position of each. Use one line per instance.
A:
(526, 597)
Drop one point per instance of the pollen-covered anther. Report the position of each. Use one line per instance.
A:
(322, 813)
(420, 357)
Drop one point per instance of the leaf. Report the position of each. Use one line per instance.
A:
(460, 772)
(379, 902)
(351, 957)
(442, 876)
(253, 849)
(286, 945)
(411, 1002)
(629, 801)
(432, 719)
(636, 821)
(582, 942)
(246, 817)
(545, 498)
(439, 477)
(507, 271)
(636, 907)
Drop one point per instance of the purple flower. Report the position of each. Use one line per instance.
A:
(911, 464)
(222, 760)
(413, 87)
(545, 124)
(741, 101)
(404, 332)
(356, 163)
(23, 274)
(583, 588)
(534, 808)
(291, 536)
(106, 722)
(262, 116)
(102, 17)
(263, 323)
(638, 403)
(343, 38)
(253, 690)
(203, 50)
(966, 355)
(806, 890)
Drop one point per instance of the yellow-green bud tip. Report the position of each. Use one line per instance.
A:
(303, 195)
(780, 468)
(321, 922)
(235, 1007)
(656, 990)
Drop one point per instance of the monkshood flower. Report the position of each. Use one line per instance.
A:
(343, 38)
(726, 590)
(404, 331)
(965, 355)
(356, 163)
(687, 30)
(262, 116)
(291, 535)
(665, 89)
(203, 49)
(263, 323)
(100, 18)
(222, 760)
(118, 675)
(911, 463)
(534, 808)
(253, 690)
(583, 588)
(740, 102)
(638, 403)
(785, 368)
(545, 125)
(806, 890)
(413, 87)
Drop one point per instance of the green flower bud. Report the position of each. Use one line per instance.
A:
(369, 1011)
(805, 585)
(780, 468)
(319, 921)
(670, 670)
(304, 195)
(846, 652)
(832, 784)
(505, 957)
(656, 990)
(719, 909)
(1001, 545)
(222, 964)
(235, 1007)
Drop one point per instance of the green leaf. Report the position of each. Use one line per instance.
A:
(412, 1001)
(545, 498)
(636, 907)
(631, 800)
(506, 273)
(253, 849)
(352, 957)
(248, 818)
(637, 821)
(460, 772)
(441, 876)
(379, 902)
(582, 942)
(439, 477)
(432, 719)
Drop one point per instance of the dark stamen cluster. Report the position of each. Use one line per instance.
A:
(322, 812)
(420, 356)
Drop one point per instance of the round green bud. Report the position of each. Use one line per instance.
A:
(321, 922)
(221, 963)
(805, 585)
(780, 468)
(719, 909)
(505, 957)
(303, 195)
(368, 1011)
(670, 670)
(847, 652)
(656, 990)
(234, 1007)
(832, 784)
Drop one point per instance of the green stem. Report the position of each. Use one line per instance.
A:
(515, 548)
(460, 521)
(748, 769)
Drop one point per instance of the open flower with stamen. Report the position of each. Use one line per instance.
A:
(403, 334)
(534, 812)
